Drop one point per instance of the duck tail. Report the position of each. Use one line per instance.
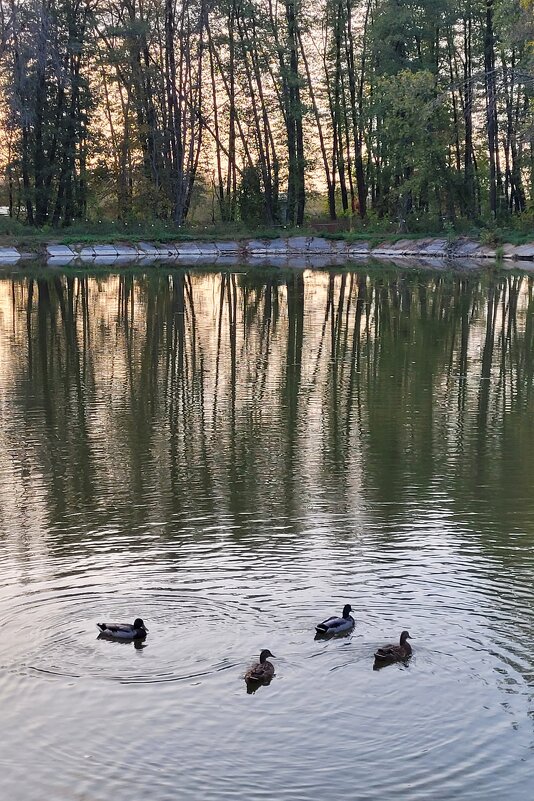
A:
(101, 626)
(380, 654)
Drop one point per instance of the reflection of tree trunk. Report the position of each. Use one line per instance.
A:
(29, 312)
(485, 375)
(509, 340)
(175, 380)
(44, 314)
(344, 333)
(525, 360)
(336, 377)
(337, 324)
(265, 338)
(177, 323)
(355, 360)
(465, 304)
(46, 339)
(224, 279)
(234, 477)
(73, 374)
(231, 297)
(295, 313)
(424, 338)
(295, 335)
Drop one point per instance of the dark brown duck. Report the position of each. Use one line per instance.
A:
(395, 653)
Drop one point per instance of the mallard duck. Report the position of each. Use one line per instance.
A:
(395, 653)
(337, 625)
(261, 671)
(124, 631)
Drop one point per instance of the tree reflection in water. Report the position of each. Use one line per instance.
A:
(224, 394)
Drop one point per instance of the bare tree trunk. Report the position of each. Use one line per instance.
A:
(218, 153)
(356, 93)
(320, 133)
(491, 109)
(468, 98)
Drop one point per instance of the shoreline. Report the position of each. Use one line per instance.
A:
(292, 250)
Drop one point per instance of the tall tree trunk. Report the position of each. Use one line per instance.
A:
(469, 173)
(294, 113)
(356, 93)
(320, 133)
(491, 108)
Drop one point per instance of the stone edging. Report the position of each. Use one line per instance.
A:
(291, 250)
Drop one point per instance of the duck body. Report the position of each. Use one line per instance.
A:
(124, 631)
(337, 625)
(394, 652)
(262, 671)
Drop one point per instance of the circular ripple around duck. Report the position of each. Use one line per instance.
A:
(191, 634)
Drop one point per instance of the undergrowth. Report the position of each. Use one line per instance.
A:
(16, 233)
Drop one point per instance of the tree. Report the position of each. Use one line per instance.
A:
(49, 105)
(413, 130)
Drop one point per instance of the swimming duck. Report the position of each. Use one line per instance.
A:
(124, 631)
(337, 625)
(395, 653)
(261, 671)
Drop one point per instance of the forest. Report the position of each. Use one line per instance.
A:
(414, 113)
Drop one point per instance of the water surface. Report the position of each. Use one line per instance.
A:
(233, 456)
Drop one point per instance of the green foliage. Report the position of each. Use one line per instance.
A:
(11, 227)
(413, 135)
(491, 237)
(403, 34)
(450, 232)
(135, 116)
(374, 230)
(250, 197)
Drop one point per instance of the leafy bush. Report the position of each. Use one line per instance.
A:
(491, 237)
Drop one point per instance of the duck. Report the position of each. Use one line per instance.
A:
(337, 625)
(261, 671)
(124, 631)
(395, 653)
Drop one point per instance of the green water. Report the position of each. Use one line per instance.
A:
(233, 456)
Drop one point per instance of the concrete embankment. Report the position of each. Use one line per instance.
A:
(299, 251)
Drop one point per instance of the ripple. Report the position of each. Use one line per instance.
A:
(235, 493)
(191, 635)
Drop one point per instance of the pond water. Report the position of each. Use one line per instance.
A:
(233, 456)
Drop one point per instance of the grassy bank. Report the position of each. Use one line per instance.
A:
(17, 234)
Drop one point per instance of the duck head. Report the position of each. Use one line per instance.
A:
(347, 609)
(404, 636)
(265, 654)
(138, 624)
